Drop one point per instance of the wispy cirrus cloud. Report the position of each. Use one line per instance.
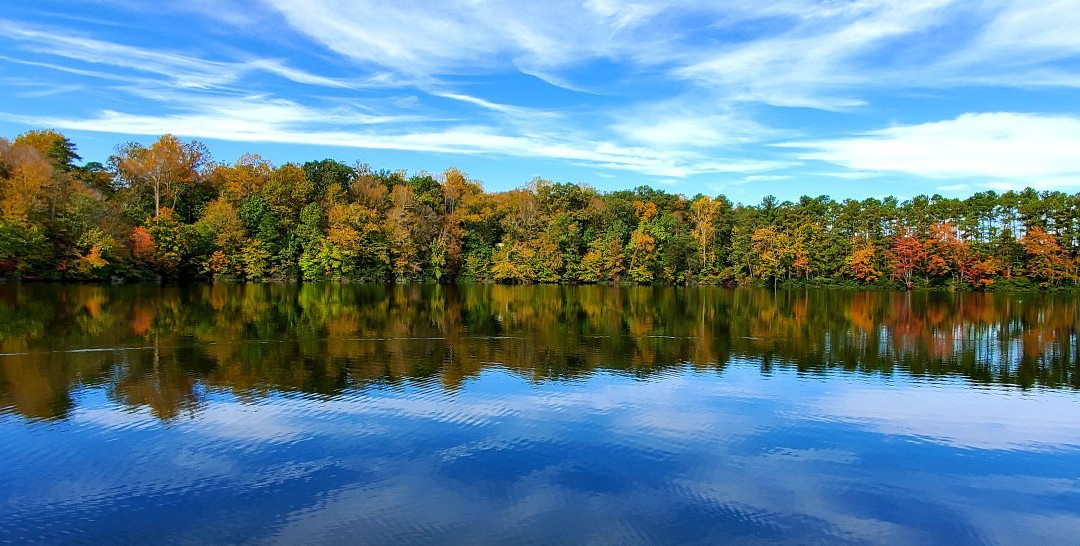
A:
(651, 89)
(207, 105)
(801, 53)
(473, 37)
(252, 119)
(182, 70)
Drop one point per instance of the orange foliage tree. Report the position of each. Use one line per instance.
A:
(1046, 259)
(906, 257)
(861, 262)
(166, 167)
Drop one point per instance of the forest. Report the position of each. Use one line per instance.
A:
(168, 211)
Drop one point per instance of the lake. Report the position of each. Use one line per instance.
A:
(330, 413)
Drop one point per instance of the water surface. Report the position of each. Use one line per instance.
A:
(413, 414)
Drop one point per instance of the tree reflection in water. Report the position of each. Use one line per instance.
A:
(167, 347)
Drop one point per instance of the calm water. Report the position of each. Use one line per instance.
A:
(344, 414)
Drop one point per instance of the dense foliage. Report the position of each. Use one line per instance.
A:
(168, 211)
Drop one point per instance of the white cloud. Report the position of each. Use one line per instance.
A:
(681, 124)
(1028, 31)
(195, 97)
(817, 58)
(421, 38)
(831, 56)
(1017, 147)
(183, 70)
(794, 53)
(994, 419)
(68, 69)
(673, 102)
(260, 119)
(509, 111)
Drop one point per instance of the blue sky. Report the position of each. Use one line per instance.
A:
(853, 98)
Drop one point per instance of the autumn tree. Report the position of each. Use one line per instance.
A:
(861, 262)
(287, 190)
(603, 261)
(326, 219)
(981, 271)
(24, 192)
(1046, 259)
(462, 204)
(801, 246)
(947, 254)
(242, 179)
(142, 243)
(704, 211)
(410, 230)
(907, 256)
(769, 248)
(166, 167)
(221, 223)
(642, 248)
(170, 243)
(59, 149)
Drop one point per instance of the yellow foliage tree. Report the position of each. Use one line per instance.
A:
(166, 167)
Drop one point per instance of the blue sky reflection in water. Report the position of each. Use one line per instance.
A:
(327, 414)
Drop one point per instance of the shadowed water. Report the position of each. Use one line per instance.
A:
(412, 414)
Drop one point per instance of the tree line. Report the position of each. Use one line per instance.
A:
(168, 211)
